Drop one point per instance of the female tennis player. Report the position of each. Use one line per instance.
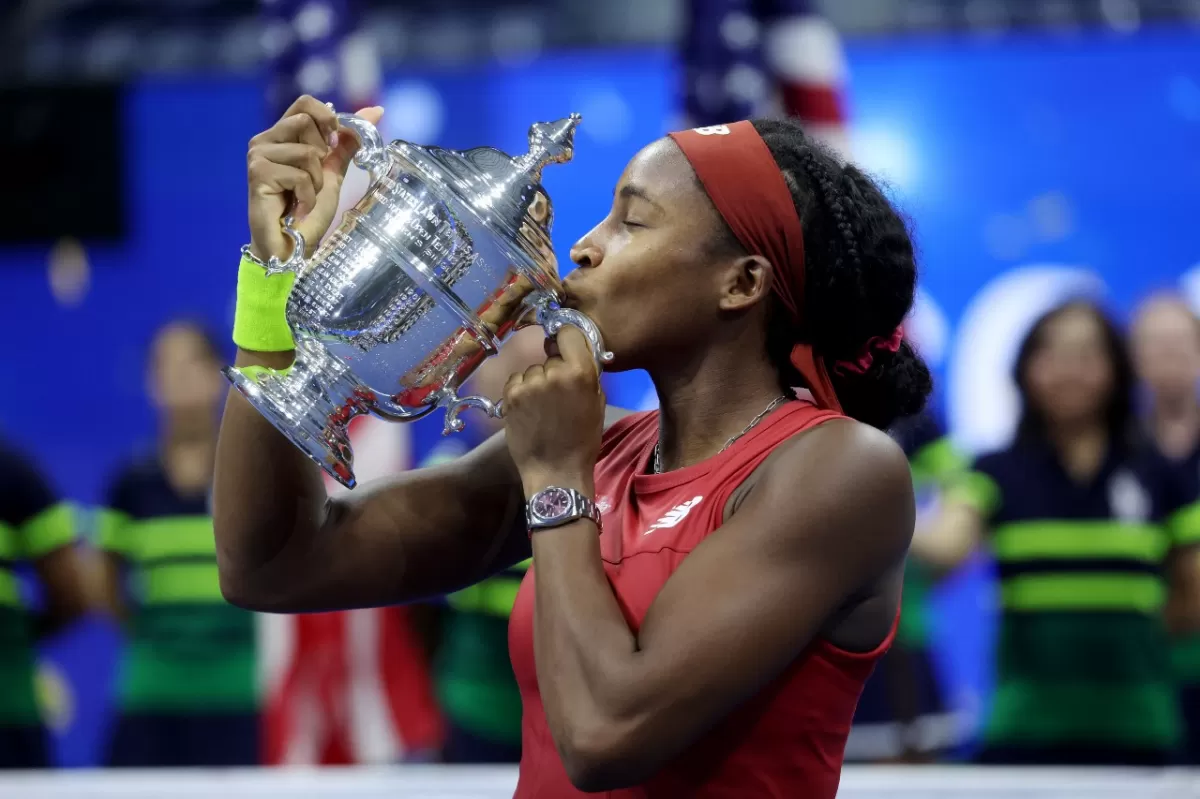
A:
(711, 583)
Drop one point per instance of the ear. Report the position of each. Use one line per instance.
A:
(745, 282)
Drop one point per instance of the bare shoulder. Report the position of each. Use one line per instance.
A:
(846, 479)
(847, 446)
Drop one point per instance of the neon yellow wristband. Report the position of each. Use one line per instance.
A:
(259, 320)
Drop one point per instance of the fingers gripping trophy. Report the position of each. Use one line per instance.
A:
(445, 255)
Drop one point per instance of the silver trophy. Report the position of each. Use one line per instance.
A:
(447, 254)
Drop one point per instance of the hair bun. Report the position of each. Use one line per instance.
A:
(895, 386)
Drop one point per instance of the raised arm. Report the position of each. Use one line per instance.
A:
(282, 546)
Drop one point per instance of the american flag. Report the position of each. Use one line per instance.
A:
(751, 58)
(316, 47)
(353, 687)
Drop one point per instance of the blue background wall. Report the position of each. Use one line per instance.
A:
(1032, 167)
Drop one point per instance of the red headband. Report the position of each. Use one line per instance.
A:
(743, 181)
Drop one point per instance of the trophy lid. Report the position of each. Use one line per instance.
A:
(504, 192)
(549, 143)
(507, 191)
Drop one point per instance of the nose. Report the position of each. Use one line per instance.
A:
(585, 253)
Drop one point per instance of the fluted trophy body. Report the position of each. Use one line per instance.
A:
(425, 277)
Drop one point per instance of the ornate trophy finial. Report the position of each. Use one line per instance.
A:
(549, 143)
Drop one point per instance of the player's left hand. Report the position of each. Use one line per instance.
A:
(554, 416)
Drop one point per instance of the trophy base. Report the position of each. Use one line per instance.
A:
(310, 404)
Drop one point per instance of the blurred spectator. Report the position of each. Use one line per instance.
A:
(1165, 341)
(474, 676)
(35, 528)
(187, 690)
(1081, 516)
(1166, 349)
(902, 714)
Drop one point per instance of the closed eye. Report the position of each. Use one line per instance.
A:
(630, 223)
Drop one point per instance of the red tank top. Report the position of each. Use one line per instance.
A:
(787, 741)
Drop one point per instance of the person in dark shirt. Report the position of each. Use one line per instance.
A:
(187, 681)
(1165, 342)
(36, 528)
(1085, 520)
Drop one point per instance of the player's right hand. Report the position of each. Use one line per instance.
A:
(301, 159)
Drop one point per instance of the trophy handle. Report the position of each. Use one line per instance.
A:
(551, 316)
(372, 152)
(371, 156)
(295, 261)
(543, 309)
(454, 405)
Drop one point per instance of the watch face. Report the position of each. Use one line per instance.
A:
(551, 503)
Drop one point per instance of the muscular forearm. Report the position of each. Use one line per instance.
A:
(583, 646)
(587, 657)
(282, 547)
(266, 493)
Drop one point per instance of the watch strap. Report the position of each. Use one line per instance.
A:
(576, 506)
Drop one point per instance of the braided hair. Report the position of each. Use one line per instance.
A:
(860, 280)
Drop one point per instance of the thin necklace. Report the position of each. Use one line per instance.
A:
(775, 403)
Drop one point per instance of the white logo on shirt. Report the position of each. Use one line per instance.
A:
(713, 130)
(603, 505)
(1128, 498)
(675, 515)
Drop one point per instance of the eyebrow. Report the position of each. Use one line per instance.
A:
(632, 190)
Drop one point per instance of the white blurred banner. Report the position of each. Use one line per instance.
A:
(446, 782)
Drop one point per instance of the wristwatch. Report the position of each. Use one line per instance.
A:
(555, 506)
